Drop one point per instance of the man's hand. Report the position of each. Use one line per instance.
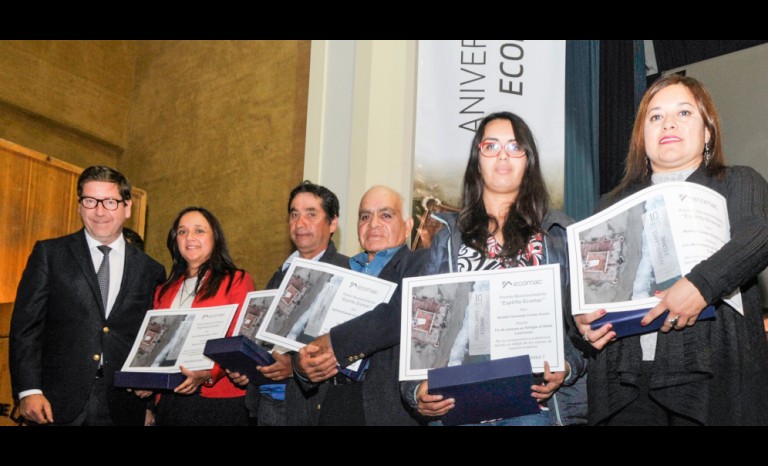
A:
(323, 344)
(36, 408)
(316, 365)
(432, 405)
(280, 370)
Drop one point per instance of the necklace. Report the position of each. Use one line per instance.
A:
(190, 293)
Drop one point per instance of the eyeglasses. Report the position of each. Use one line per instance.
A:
(493, 148)
(109, 204)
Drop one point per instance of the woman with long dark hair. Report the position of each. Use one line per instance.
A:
(203, 275)
(505, 222)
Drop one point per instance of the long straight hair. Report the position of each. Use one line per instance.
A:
(219, 266)
(637, 166)
(525, 215)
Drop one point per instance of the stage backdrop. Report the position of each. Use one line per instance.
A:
(459, 82)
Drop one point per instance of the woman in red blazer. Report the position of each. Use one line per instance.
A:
(203, 275)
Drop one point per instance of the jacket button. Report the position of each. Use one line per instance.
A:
(96, 357)
(351, 358)
(318, 406)
(362, 355)
(105, 330)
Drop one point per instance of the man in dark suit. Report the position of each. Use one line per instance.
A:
(335, 399)
(79, 306)
(313, 216)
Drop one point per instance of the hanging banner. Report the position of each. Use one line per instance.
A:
(462, 81)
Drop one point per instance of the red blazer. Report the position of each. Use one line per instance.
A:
(222, 387)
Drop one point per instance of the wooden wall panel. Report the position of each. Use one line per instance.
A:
(38, 200)
(6, 397)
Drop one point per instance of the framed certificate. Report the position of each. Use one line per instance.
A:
(172, 338)
(460, 318)
(314, 297)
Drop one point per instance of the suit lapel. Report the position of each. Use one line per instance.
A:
(78, 246)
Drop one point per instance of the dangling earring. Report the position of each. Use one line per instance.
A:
(648, 165)
(707, 154)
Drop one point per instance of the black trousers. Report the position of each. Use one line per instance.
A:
(195, 410)
(343, 406)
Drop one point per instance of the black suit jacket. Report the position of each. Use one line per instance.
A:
(58, 326)
(376, 335)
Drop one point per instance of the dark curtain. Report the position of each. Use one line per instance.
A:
(582, 97)
(617, 108)
(676, 53)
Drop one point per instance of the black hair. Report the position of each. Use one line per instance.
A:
(525, 215)
(220, 264)
(106, 174)
(329, 200)
(133, 238)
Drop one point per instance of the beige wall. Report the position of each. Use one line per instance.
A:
(220, 124)
(67, 99)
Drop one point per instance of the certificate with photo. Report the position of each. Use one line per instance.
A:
(622, 255)
(170, 338)
(461, 318)
(243, 352)
(314, 297)
(255, 307)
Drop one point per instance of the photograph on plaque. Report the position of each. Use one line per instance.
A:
(457, 319)
(169, 338)
(621, 256)
(314, 297)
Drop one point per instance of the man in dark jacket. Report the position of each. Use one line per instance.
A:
(374, 337)
(313, 216)
(78, 308)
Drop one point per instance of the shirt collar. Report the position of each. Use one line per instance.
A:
(294, 255)
(117, 245)
(359, 262)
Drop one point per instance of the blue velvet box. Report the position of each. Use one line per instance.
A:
(485, 390)
(149, 380)
(240, 354)
(627, 323)
(356, 375)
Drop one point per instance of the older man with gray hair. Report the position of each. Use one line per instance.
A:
(374, 337)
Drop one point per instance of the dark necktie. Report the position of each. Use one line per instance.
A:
(103, 275)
